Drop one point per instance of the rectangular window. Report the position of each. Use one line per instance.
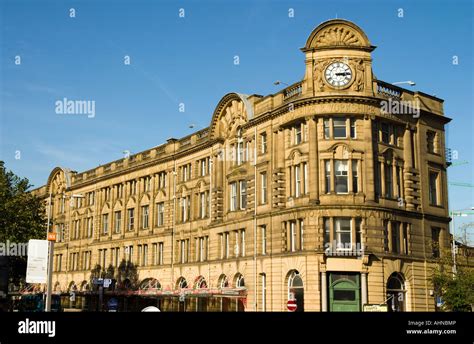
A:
(433, 191)
(221, 245)
(145, 255)
(233, 196)
(242, 242)
(305, 179)
(263, 187)
(243, 194)
(339, 124)
(263, 282)
(182, 251)
(155, 253)
(90, 226)
(161, 180)
(131, 219)
(326, 129)
(385, 130)
(240, 152)
(139, 257)
(145, 213)
(343, 233)
(358, 230)
(430, 141)
(105, 223)
(395, 237)
(435, 242)
(399, 181)
(405, 238)
(388, 181)
(185, 208)
(203, 205)
(327, 232)
(301, 234)
(355, 181)
(263, 234)
(327, 168)
(341, 176)
(160, 214)
(263, 143)
(353, 128)
(202, 253)
(297, 181)
(292, 236)
(118, 221)
(160, 253)
(203, 167)
(298, 134)
(227, 245)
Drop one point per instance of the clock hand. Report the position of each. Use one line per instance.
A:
(345, 73)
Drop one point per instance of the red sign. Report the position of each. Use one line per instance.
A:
(291, 305)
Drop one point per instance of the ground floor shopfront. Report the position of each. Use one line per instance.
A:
(314, 281)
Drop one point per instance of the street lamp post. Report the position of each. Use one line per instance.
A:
(463, 212)
(50, 261)
(409, 82)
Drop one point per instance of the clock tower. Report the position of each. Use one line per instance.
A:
(338, 60)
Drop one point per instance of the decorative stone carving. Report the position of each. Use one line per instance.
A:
(359, 70)
(338, 35)
(232, 117)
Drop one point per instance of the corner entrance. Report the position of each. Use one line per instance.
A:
(344, 292)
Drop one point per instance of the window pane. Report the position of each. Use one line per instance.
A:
(355, 187)
(341, 176)
(344, 295)
(327, 165)
(326, 128)
(385, 133)
(433, 188)
(339, 124)
(353, 128)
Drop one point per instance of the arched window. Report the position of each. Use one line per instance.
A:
(200, 283)
(396, 293)
(239, 281)
(150, 283)
(296, 289)
(182, 284)
(223, 281)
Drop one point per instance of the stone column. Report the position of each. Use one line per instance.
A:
(407, 148)
(324, 294)
(313, 163)
(369, 169)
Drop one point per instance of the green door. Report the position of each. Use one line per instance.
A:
(344, 292)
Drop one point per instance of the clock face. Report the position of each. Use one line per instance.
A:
(338, 74)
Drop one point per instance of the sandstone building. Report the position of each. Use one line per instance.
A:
(332, 192)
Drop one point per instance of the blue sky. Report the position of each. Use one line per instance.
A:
(190, 60)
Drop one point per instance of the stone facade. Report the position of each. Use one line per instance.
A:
(329, 191)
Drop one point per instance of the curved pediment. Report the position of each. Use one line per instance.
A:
(338, 33)
(59, 180)
(160, 196)
(233, 111)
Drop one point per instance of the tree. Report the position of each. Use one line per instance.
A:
(99, 272)
(22, 217)
(456, 290)
(127, 275)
